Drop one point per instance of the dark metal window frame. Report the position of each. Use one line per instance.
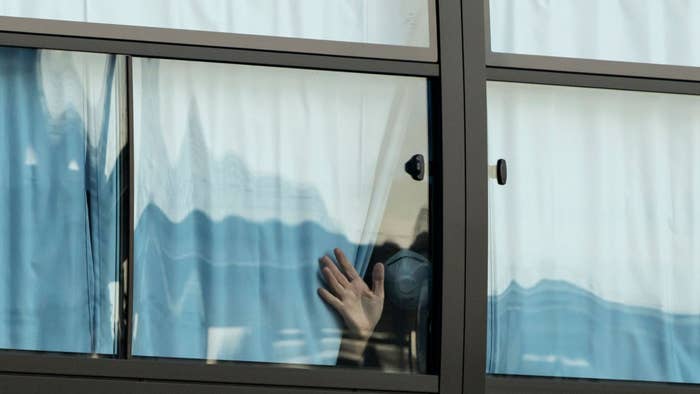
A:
(589, 74)
(81, 374)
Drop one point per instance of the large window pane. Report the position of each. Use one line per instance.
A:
(644, 31)
(60, 137)
(244, 177)
(390, 22)
(594, 240)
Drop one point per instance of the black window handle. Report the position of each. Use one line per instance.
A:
(501, 171)
(415, 167)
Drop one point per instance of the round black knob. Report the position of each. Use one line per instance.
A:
(415, 167)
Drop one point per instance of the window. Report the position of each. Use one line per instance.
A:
(386, 28)
(640, 31)
(258, 201)
(245, 177)
(593, 252)
(61, 137)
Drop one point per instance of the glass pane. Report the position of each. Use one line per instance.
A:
(643, 31)
(61, 132)
(390, 22)
(594, 240)
(245, 177)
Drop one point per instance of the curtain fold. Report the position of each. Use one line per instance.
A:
(245, 177)
(58, 251)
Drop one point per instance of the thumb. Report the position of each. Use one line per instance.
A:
(378, 280)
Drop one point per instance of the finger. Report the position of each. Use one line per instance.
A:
(332, 282)
(349, 270)
(330, 299)
(378, 280)
(327, 262)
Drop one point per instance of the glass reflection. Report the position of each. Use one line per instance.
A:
(245, 178)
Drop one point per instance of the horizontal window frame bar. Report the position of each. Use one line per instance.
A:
(227, 40)
(176, 370)
(591, 66)
(501, 384)
(22, 383)
(588, 80)
(220, 55)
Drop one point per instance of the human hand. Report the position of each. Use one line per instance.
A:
(358, 305)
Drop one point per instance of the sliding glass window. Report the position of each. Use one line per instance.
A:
(594, 256)
(62, 131)
(281, 215)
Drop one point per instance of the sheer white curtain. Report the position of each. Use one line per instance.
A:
(594, 242)
(392, 22)
(245, 176)
(647, 31)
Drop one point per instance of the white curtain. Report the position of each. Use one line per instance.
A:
(391, 22)
(646, 31)
(595, 240)
(244, 177)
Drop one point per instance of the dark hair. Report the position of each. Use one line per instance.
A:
(421, 245)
